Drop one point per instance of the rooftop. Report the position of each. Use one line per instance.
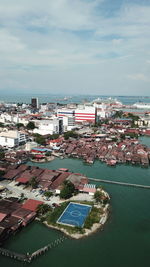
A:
(31, 204)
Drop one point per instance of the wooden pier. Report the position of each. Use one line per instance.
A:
(14, 255)
(29, 257)
(119, 183)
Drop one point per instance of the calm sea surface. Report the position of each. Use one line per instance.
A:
(145, 140)
(125, 239)
(44, 98)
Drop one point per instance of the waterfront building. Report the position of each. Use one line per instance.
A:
(13, 215)
(31, 204)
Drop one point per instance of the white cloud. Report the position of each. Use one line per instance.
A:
(40, 41)
(10, 43)
(138, 77)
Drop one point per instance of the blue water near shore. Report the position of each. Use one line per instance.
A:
(44, 98)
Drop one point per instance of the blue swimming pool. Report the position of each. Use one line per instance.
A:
(75, 214)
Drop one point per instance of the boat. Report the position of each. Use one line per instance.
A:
(108, 101)
(142, 105)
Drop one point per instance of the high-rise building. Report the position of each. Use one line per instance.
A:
(85, 113)
(35, 103)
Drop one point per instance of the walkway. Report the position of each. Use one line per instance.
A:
(29, 257)
(119, 183)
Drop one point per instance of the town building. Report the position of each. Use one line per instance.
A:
(35, 103)
(85, 113)
(12, 138)
(48, 126)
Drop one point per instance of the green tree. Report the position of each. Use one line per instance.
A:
(30, 125)
(22, 195)
(70, 134)
(33, 182)
(48, 154)
(43, 208)
(1, 173)
(54, 136)
(2, 124)
(2, 155)
(48, 194)
(118, 114)
(19, 125)
(122, 136)
(40, 140)
(68, 190)
(98, 196)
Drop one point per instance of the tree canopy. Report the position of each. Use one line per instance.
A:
(68, 190)
(31, 125)
(40, 140)
(43, 208)
(53, 136)
(33, 182)
(2, 124)
(98, 196)
(2, 155)
(70, 134)
(19, 125)
(48, 194)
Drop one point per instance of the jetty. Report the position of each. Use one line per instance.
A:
(29, 257)
(14, 255)
(119, 183)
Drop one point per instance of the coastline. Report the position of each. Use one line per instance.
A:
(48, 159)
(88, 232)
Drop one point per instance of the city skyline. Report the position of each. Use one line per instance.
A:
(75, 47)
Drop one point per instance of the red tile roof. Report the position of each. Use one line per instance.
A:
(21, 213)
(61, 178)
(31, 204)
(23, 180)
(89, 190)
(2, 216)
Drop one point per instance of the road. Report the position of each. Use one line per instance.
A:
(16, 191)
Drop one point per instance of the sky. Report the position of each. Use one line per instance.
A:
(75, 47)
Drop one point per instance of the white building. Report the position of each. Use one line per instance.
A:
(30, 145)
(68, 118)
(49, 126)
(43, 107)
(12, 138)
(85, 114)
(143, 121)
(64, 112)
(68, 123)
(13, 118)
